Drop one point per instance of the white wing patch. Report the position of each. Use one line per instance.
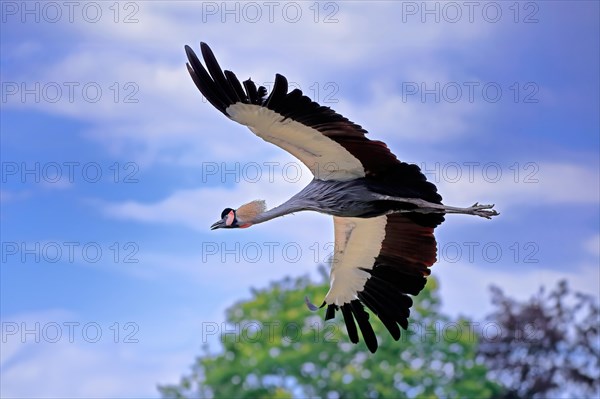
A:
(326, 159)
(357, 244)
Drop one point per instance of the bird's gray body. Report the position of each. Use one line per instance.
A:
(339, 198)
(352, 198)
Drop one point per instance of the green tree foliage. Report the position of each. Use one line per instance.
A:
(548, 346)
(282, 350)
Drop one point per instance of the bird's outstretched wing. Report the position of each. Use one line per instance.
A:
(378, 262)
(330, 145)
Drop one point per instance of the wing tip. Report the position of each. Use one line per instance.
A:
(366, 329)
(354, 313)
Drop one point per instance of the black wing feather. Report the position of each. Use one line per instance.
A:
(381, 311)
(237, 87)
(278, 94)
(330, 312)
(262, 92)
(350, 325)
(204, 82)
(362, 317)
(217, 74)
(388, 175)
(252, 92)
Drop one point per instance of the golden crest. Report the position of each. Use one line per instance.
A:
(249, 211)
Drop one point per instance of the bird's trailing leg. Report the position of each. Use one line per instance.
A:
(311, 306)
(485, 211)
(423, 206)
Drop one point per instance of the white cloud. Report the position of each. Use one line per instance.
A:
(8, 196)
(199, 208)
(546, 183)
(392, 117)
(169, 115)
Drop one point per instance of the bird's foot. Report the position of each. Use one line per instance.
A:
(312, 307)
(485, 211)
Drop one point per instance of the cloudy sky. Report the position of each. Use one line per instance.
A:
(114, 167)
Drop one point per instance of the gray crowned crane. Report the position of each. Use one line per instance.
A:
(384, 210)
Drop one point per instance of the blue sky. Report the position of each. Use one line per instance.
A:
(113, 167)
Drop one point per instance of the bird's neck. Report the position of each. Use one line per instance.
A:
(302, 201)
(290, 206)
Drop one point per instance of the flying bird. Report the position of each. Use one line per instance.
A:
(384, 210)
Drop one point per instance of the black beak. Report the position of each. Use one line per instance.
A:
(218, 225)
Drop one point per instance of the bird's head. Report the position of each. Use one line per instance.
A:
(241, 217)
